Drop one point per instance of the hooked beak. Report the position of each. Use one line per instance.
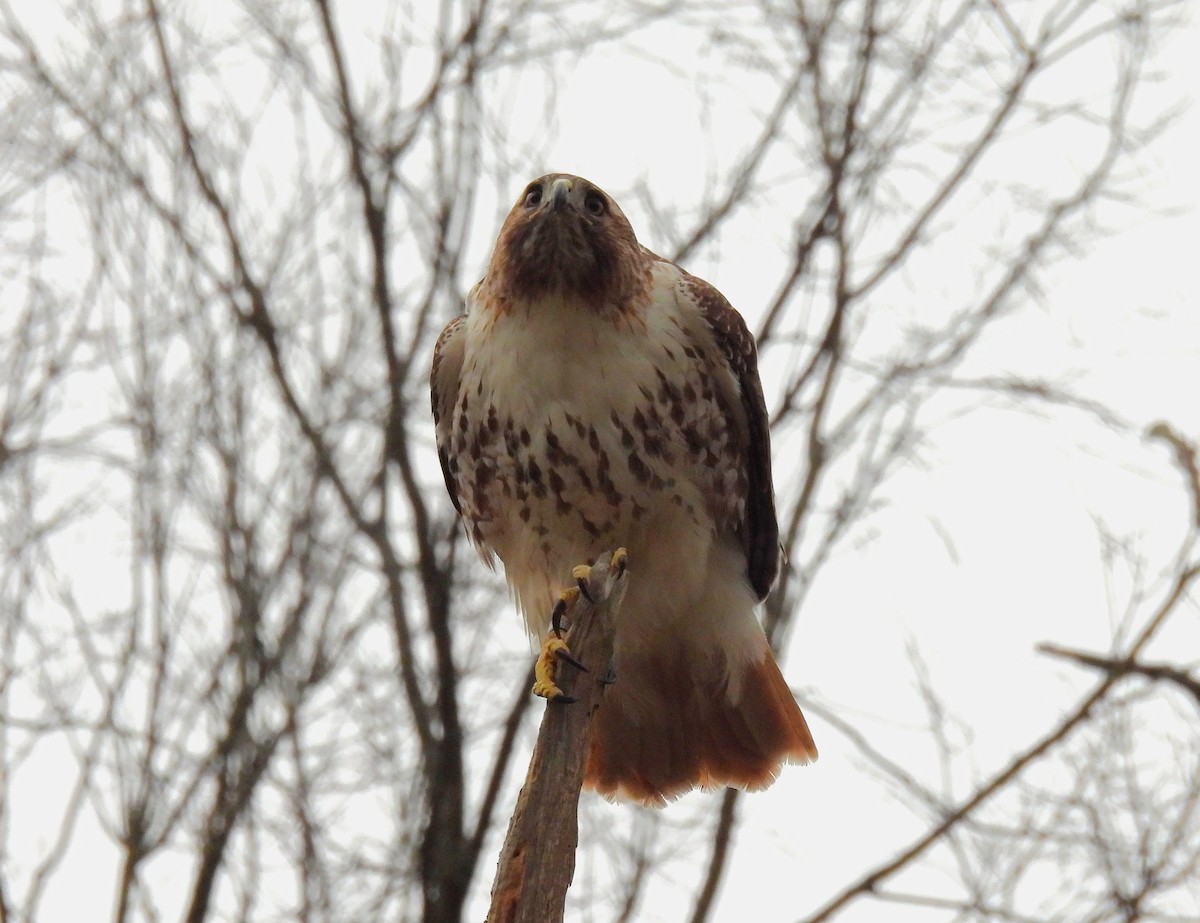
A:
(560, 193)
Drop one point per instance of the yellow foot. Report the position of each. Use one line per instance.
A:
(554, 649)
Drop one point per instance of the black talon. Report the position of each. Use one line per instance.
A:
(556, 616)
(563, 699)
(622, 564)
(565, 657)
(582, 583)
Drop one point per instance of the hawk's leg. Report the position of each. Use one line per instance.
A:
(554, 648)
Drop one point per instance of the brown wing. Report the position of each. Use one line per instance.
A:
(759, 530)
(443, 388)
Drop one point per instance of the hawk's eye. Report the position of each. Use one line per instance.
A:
(533, 195)
(595, 204)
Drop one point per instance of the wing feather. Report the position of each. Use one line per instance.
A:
(443, 386)
(759, 529)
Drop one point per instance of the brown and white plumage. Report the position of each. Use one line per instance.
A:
(595, 395)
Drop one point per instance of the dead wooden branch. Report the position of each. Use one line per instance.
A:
(537, 861)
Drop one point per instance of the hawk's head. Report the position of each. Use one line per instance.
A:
(567, 237)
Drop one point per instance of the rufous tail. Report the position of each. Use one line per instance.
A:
(672, 722)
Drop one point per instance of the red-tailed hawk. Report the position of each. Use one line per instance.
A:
(595, 395)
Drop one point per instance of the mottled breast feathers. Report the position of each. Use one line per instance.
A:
(731, 359)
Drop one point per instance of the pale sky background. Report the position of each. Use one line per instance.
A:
(1011, 490)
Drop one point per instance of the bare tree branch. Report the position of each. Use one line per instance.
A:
(537, 861)
(1119, 668)
(871, 881)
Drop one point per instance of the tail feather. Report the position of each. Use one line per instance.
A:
(674, 722)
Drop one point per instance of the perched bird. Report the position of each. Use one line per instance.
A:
(595, 396)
